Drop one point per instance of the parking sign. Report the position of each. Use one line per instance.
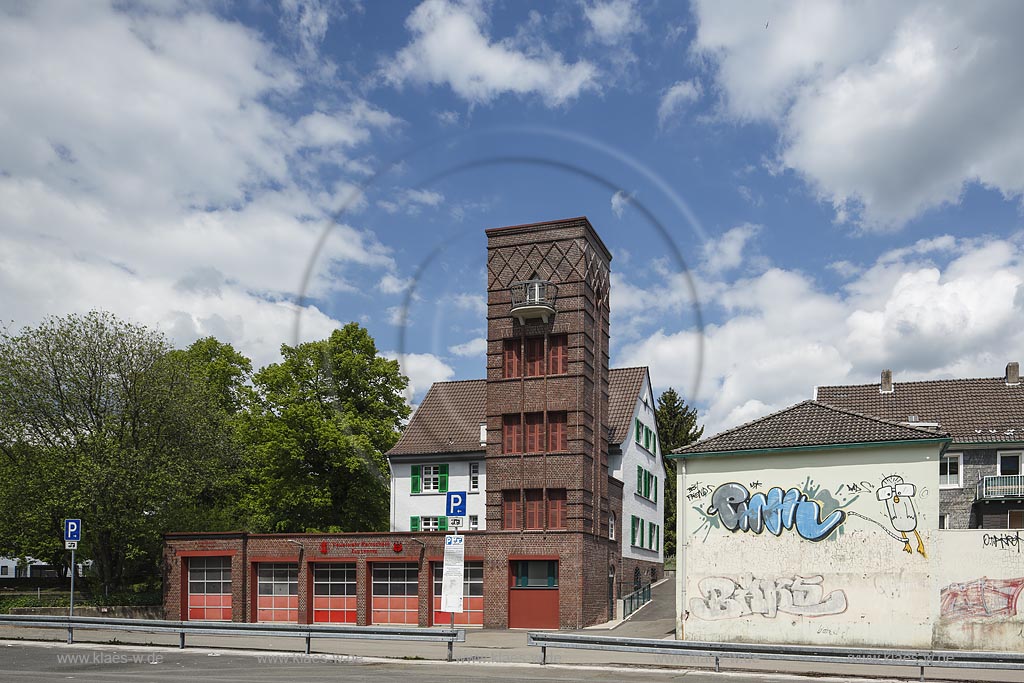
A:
(456, 504)
(73, 530)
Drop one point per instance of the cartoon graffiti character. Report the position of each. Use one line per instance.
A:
(898, 497)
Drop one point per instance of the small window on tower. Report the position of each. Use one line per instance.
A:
(534, 356)
(512, 358)
(558, 354)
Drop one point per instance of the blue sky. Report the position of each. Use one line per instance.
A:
(835, 187)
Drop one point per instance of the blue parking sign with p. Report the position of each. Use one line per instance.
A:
(456, 504)
(72, 530)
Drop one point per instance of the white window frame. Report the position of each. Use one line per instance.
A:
(434, 477)
(474, 476)
(611, 526)
(430, 523)
(999, 461)
(943, 520)
(959, 470)
(474, 521)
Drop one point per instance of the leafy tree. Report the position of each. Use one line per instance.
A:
(321, 421)
(677, 427)
(99, 420)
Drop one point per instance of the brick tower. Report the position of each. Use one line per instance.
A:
(547, 409)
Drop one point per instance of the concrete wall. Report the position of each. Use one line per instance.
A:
(825, 569)
(633, 503)
(978, 585)
(405, 503)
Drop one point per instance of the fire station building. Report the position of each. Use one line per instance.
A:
(558, 454)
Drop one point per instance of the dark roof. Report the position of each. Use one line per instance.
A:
(810, 423)
(971, 410)
(624, 386)
(448, 420)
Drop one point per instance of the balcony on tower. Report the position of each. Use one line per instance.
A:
(533, 299)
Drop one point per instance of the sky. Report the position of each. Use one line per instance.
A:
(794, 193)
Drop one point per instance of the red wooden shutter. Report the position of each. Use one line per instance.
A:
(534, 432)
(534, 509)
(512, 434)
(512, 358)
(558, 354)
(557, 440)
(510, 509)
(534, 356)
(556, 509)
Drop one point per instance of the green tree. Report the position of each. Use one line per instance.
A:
(320, 424)
(99, 420)
(677, 427)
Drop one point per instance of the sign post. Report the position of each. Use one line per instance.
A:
(453, 573)
(72, 535)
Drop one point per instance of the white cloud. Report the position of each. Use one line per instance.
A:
(476, 303)
(151, 169)
(450, 47)
(934, 309)
(676, 97)
(422, 369)
(474, 347)
(447, 117)
(619, 201)
(411, 201)
(392, 284)
(612, 21)
(886, 109)
(726, 252)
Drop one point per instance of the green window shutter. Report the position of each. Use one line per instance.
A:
(639, 479)
(632, 530)
(655, 483)
(647, 438)
(654, 443)
(414, 523)
(657, 538)
(638, 432)
(647, 484)
(442, 523)
(443, 478)
(416, 480)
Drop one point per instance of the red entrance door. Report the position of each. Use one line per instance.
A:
(533, 594)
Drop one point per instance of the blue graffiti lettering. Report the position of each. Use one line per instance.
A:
(775, 510)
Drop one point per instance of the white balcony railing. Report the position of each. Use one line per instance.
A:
(1005, 486)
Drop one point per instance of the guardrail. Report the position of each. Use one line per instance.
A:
(1005, 486)
(183, 628)
(957, 659)
(636, 600)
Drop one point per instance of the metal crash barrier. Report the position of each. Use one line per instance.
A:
(184, 628)
(958, 659)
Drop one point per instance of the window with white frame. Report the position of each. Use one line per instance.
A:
(951, 467)
(431, 477)
(474, 476)
(474, 522)
(611, 526)
(1009, 463)
(943, 521)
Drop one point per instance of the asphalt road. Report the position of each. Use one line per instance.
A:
(40, 662)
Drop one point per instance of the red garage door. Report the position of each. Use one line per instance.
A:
(472, 596)
(209, 588)
(395, 598)
(278, 598)
(533, 594)
(334, 593)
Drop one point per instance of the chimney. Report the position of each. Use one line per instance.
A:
(1012, 374)
(886, 386)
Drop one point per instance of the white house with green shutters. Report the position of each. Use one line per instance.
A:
(637, 462)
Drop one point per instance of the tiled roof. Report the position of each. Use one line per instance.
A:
(624, 386)
(448, 420)
(810, 423)
(971, 410)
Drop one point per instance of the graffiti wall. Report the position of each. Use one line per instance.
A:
(823, 547)
(978, 587)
